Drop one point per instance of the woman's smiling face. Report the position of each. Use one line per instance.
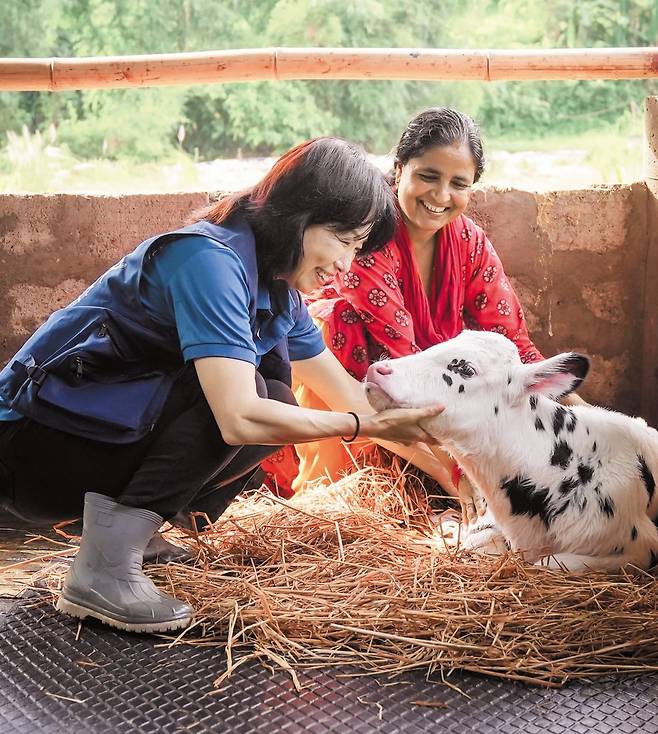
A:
(434, 188)
(325, 253)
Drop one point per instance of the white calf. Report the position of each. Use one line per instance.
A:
(574, 483)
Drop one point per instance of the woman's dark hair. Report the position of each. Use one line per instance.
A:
(440, 126)
(325, 181)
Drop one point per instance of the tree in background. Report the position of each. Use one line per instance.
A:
(266, 117)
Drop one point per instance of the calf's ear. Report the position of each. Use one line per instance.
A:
(554, 377)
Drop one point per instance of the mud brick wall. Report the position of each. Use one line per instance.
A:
(579, 260)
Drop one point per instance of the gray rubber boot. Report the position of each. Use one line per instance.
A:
(160, 550)
(106, 580)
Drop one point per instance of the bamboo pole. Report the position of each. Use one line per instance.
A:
(59, 74)
(380, 63)
(574, 63)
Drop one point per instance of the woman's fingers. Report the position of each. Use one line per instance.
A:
(420, 413)
(468, 502)
(402, 424)
(431, 440)
(469, 514)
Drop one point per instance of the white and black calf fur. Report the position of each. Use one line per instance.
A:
(575, 484)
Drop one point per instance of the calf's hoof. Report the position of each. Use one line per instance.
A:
(484, 538)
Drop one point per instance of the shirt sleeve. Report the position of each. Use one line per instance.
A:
(304, 339)
(206, 288)
(491, 303)
(372, 288)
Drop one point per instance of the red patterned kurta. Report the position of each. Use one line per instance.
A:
(376, 310)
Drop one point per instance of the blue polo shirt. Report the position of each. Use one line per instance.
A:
(202, 288)
(198, 288)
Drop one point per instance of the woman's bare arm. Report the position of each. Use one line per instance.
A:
(327, 378)
(243, 417)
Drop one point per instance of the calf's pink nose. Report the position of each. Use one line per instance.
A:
(379, 369)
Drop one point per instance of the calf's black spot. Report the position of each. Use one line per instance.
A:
(647, 477)
(461, 388)
(607, 506)
(634, 533)
(571, 425)
(568, 484)
(561, 455)
(560, 510)
(496, 409)
(447, 379)
(585, 472)
(533, 402)
(526, 498)
(594, 446)
(539, 426)
(558, 419)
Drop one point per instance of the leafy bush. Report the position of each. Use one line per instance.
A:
(136, 124)
(268, 117)
(32, 162)
(256, 118)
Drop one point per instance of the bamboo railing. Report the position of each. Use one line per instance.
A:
(59, 74)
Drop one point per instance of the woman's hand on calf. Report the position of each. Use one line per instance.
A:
(400, 424)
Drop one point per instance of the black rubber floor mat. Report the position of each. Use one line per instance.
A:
(47, 685)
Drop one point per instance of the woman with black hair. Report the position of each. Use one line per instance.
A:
(168, 380)
(438, 275)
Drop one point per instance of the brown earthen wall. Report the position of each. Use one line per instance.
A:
(649, 388)
(52, 247)
(577, 259)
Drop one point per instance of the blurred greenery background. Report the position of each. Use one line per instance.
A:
(537, 134)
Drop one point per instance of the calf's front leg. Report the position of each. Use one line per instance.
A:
(480, 529)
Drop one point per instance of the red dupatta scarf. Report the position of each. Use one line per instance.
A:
(442, 319)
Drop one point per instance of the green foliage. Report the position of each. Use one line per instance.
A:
(32, 162)
(267, 117)
(568, 106)
(136, 124)
(257, 118)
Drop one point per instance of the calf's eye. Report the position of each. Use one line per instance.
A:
(461, 367)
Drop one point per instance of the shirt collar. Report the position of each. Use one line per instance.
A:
(275, 298)
(263, 300)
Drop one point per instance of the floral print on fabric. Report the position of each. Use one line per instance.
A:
(368, 319)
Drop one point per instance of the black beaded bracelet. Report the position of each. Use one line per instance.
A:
(356, 432)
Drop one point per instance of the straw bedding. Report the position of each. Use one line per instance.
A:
(357, 574)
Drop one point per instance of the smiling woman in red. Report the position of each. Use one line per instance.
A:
(438, 276)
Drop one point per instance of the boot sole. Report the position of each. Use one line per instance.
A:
(75, 610)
